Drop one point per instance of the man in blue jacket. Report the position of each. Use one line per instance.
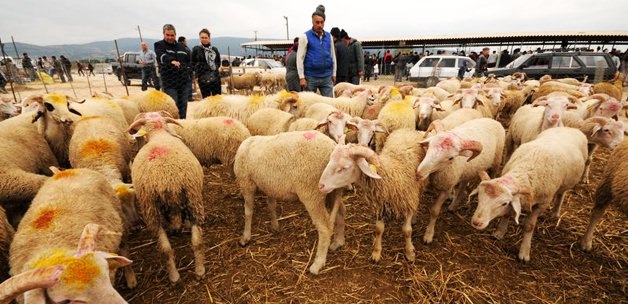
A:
(316, 58)
(174, 67)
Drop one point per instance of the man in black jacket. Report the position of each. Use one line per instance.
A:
(342, 56)
(174, 66)
(356, 58)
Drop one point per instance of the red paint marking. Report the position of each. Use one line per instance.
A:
(229, 122)
(44, 220)
(371, 110)
(491, 190)
(309, 135)
(158, 124)
(157, 152)
(446, 144)
(613, 107)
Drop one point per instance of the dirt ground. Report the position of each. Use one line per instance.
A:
(462, 265)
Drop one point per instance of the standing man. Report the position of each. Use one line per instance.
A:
(67, 67)
(184, 42)
(147, 60)
(27, 64)
(342, 56)
(356, 58)
(316, 58)
(482, 63)
(58, 68)
(174, 64)
(292, 75)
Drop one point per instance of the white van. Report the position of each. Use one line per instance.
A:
(432, 69)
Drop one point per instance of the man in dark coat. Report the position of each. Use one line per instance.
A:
(174, 66)
(342, 56)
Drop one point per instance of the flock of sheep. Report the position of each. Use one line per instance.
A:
(527, 142)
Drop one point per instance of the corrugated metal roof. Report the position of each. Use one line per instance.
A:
(616, 37)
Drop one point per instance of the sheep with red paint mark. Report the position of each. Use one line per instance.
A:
(455, 157)
(168, 181)
(61, 228)
(213, 139)
(539, 172)
(291, 179)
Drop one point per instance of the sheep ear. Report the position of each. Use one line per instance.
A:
(351, 125)
(474, 192)
(369, 170)
(471, 149)
(425, 143)
(516, 207)
(378, 126)
(437, 107)
(484, 176)
(572, 106)
(114, 261)
(541, 101)
(54, 169)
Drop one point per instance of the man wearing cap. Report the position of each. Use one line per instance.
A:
(342, 56)
(316, 58)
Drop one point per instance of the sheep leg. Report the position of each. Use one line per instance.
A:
(166, 249)
(434, 212)
(249, 204)
(558, 202)
(528, 231)
(197, 248)
(603, 199)
(407, 232)
(587, 164)
(377, 241)
(460, 191)
(502, 227)
(339, 227)
(129, 274)
(272, 209)
(321, 221)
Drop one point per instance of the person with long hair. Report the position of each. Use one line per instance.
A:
(206, 65)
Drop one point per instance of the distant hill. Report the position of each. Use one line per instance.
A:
(107, 49)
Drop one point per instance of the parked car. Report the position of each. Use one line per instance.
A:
(432, 69)
(253, 65)
(560, 65)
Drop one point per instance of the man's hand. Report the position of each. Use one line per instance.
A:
(303, 83)
(333, 79)
(176, 63)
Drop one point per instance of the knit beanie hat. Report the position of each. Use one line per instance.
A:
(320, 11)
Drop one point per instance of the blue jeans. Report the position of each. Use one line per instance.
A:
(149, 72)
(180, 96)
(324, 84)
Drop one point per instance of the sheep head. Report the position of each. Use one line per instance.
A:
(443, 149)
(605, 132)
(426, 104)
(8, 108)
(496, 198)
(144, 123)
(86, 277)
(346, 163)
(366, 129)
(336, 122)
(555, 107)
(55, 106)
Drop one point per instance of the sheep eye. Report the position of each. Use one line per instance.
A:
(504, 204)
(49, 107)
(451, 158)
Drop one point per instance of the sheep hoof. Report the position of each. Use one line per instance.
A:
(243, 242)
(316, 267)
(336, 244)
(524, 258)
(410, 256)
(131, 282)
(586, 245)
(498, 235)
(427, 239)
(174, 277)
(375, 257)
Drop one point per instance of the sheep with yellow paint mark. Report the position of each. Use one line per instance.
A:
(153, 101)
(24, 160)
(61, 228)
(168, 181)
(396, 114)
(242, 107)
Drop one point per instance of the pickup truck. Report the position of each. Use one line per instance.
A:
(132, 67)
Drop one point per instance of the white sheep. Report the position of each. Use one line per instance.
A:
(320, 110)
(8, 109)
(539, 172)
(212, 139)
(451, 85)
(426, 106)
(168, 181)
(294, 178)
(70, 209)
(6, 236)
(454, 119)
(529, 121)
(455, 157)
(387, 182)
(600, 131)
(242, 107)
(611, 190)
(24, 160)
(365, 133)
(474, 99)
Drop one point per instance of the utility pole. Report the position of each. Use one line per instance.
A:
(287, 32)
(256, 47)
(139, 31)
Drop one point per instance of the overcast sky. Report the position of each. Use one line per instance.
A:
(51, 22)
